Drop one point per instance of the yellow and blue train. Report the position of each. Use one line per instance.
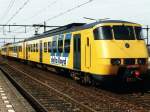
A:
(100, 50)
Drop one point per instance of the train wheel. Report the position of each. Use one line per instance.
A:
(86, 79)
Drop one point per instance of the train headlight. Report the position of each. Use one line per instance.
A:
(141, 61)
(115, 61)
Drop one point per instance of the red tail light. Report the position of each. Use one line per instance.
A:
(136, 73)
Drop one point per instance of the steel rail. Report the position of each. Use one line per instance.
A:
(57, 91)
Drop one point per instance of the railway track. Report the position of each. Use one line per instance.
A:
(45, 96)
(78, 98)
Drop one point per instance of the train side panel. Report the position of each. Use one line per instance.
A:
(32, 52)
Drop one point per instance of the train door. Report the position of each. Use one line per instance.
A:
(87, 53)
(7, 51)
(77, 51)
(23, 50)
(17, 51)
(41, 51)
(27, 48)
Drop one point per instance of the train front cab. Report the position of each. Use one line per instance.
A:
(119, 51)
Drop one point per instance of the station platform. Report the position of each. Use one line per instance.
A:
(10, 99)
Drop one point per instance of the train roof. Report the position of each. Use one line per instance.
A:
(72, 27)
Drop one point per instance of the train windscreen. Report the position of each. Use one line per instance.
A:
(139, 33)
(103, 33)
(123, 32)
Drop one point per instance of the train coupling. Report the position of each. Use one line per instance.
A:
(134, 75)
(130, 74)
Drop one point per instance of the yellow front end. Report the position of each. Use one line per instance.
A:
(104, 51)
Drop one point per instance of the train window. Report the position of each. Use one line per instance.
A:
(54, 46)
(27, 48)
(75, 47)
(17, 48)
(67, 43)
(87, 41)
(14, 49)
(45, 46)
(123, 32)
(103, 33)
(36, 47)
(49, 46)
(60, 43)
(79, 45)
(31, 47)
(20, 48)
(139, 33)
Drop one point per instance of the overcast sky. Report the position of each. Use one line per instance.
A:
(38, 11)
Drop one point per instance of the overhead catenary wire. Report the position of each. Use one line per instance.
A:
(37, 13)
(69, 10)
(6, 12)
(40, 11)
(17, 12)
(63, 13)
